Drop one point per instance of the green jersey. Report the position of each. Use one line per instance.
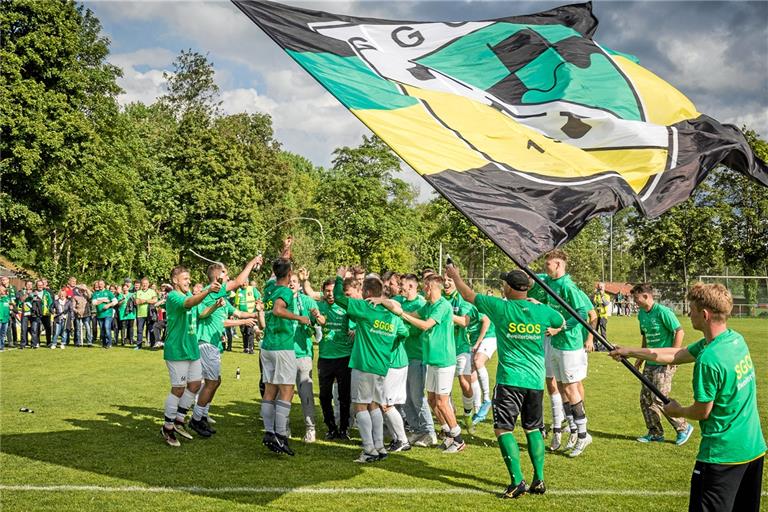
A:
(461, 308)
(336, 342)
(211, 327)
(725, 375)
(181, 329)
(438, 346)
(572, 337)
(659, 326)
(142, 310)
(413, 344)
(304, 335)
(520, 331)
(378, 330)
(474, 329)
(279, 332)
(537, 292)
(125, 299)
(5, 309)
(102, 311)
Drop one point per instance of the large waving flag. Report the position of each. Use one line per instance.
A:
(525, 124)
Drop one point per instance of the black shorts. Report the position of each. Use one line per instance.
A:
(509, 402)
(726, 487)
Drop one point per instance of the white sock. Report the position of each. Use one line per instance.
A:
(377, 428)
(396, 425)
(268, 415)
(282, 413)
(482, 378)
(365, 427)
(206, 409)
(171, 406)
(185, 402)
(455, 431)
(558, 415)
(467, 402)
(198, 412)
(477, 395)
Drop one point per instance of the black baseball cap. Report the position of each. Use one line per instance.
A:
(516, 279)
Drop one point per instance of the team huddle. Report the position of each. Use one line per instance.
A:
(392, 346)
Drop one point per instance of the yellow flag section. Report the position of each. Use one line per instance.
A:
(663, 104)
(426, 136)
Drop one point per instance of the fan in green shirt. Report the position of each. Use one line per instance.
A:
(464, 314)
(729, 463)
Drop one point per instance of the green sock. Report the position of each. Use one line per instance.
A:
(510, 452)
(536, 452)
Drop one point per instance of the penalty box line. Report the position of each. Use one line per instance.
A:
(327, 490)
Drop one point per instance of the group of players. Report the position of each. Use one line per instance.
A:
(384, 341)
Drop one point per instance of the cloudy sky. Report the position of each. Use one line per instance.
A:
(714, 52)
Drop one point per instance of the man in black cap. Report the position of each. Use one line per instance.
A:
(520, 329)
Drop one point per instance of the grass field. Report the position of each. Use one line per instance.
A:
(93, 443)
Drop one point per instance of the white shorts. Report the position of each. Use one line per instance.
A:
(367, 387)
(395, 386)
(487, 347)
(279, 366)
(184, 372)
(548, 363)
(569, 365)
(210, 358)
(464, 364)
(439, 380)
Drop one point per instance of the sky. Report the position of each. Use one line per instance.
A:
(716, 53)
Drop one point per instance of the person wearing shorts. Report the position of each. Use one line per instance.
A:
(377, 336)
(521, 327)
(728, 473)
(181, 353)
(464, 314)
(395, 390)
(482, 338)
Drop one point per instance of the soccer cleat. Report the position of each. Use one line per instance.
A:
(282, 444)
(684, 436)
(331, 435)
(310, 436)
(366, 457)
(343, 435)
(269, 442)
(455, 447)
(178, 426)
(426, 440)
(556, 441)
(170, 436)
(399, 446)
(382, 453)
(207, 422)
(482, 412)
(537, 487)
(199, 427)
(571, 441)
(514, 491)
(648, 438)
(581, 445)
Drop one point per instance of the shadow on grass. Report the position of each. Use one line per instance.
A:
(612, 435)
(126, 444)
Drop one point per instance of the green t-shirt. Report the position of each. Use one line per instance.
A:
(124, 304)
(438, 346)
(377, 331)
(474, 329)
(142, 310)
(537, 292)
(279, 332)
(461, 308)
(724, 374)
(336, 342)
(304, 335)
(5, 309)
(210, 328)
(102, 311)
(658, 326)
(520, 327)
(413, 343)
(181, 329)
(572, 337)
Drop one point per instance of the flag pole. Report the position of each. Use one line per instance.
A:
(591, 329)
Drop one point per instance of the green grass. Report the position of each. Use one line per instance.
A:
(98, 413)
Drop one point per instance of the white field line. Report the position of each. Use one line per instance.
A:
(327, 490)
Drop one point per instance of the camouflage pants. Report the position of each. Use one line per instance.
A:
(653, 409)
